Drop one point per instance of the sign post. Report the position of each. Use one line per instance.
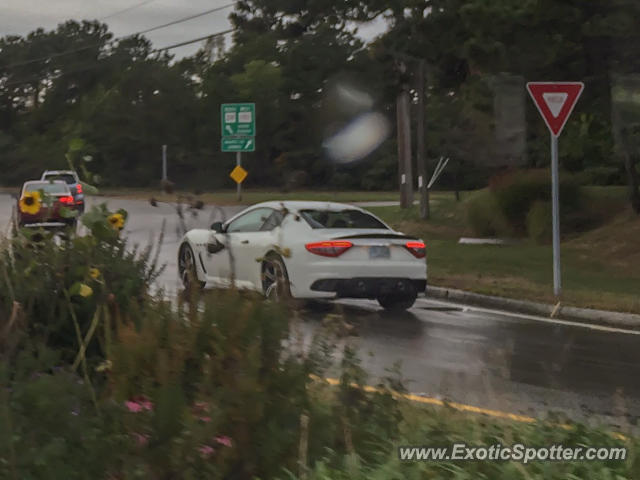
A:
(238, 135)
(164, 163)
(555, 102)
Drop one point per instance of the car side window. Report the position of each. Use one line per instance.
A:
(274, 220)
(251, 221)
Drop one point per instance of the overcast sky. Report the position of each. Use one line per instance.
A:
(22, 16)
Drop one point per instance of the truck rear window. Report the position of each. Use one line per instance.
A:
(66, 178)
(47, 187)
(341, 219)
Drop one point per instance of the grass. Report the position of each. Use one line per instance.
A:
(250, 197)
(599, 268)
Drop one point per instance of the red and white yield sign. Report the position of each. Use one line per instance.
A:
(555, 101)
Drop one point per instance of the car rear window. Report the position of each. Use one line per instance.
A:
(66, 178)
(341, 219)
(46, 187)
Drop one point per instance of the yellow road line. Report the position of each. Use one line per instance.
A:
(458, 406)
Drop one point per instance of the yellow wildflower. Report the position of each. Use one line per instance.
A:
(85, 291)
(116, 221)
(30, 203)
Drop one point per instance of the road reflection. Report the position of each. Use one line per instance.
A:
(495, 361)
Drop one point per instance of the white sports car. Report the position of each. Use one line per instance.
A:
(307, 250)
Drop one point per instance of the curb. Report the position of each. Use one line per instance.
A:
(584, 315)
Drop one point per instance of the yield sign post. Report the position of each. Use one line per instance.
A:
(555, 102)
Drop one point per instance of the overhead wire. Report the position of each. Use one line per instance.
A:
(126, 10)
(142, 32)
(185, 19)
(98, 64)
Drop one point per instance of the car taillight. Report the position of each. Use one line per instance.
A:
(417, 249)
(79, 188)
(333, 248)
(65, 199)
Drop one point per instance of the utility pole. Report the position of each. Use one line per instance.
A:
(405, 170)
(421, 159)
(239, 164)
(164, 163)
(402, 176)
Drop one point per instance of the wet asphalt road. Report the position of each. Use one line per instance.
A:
(513, 363)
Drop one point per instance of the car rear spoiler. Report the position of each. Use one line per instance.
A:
(396, 236)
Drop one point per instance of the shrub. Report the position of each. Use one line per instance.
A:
(59, 281)
(602, 176)
(485, 217)
(539, 225)
(504, 209)
(516, 192)
(211, 388)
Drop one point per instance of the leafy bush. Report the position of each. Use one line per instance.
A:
(60, 282)
(485, 217)
(601, 176)
(212, 388)
(504, 209)
(516, 192)
(539, 226)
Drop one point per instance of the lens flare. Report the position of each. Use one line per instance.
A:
(358, 139)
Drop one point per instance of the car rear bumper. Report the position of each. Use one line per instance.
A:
(368, 287)
(46, 225)
(331, 278)
(39, 221)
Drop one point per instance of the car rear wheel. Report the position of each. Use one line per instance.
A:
(398, 302)
(275, 279)
(187, 268)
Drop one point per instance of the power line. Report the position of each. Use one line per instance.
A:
(185, 19)
(125, 10)
(87, 47)
(98, 64)
(189, 42)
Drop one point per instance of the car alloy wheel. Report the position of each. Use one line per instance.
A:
(187, 267)
(275, 281)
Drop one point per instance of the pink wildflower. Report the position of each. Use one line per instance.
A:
(206, 450)
(204, 419)
(144, 402)
(133, 407)
(138, 404)
(222, 440)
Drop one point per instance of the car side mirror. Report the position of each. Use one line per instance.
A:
(218, 227)
(214, 246)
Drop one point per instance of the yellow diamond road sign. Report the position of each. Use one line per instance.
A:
(239, 174)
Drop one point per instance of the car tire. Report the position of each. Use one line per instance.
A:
(398, 302)
(187, 268)
(275, 278)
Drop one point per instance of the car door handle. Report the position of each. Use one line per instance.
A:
(244, 242)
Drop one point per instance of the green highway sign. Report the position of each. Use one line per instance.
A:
(238, 144)
(238, 119)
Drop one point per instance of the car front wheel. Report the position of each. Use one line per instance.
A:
(187, 268)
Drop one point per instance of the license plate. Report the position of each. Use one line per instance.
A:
(379, 252)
